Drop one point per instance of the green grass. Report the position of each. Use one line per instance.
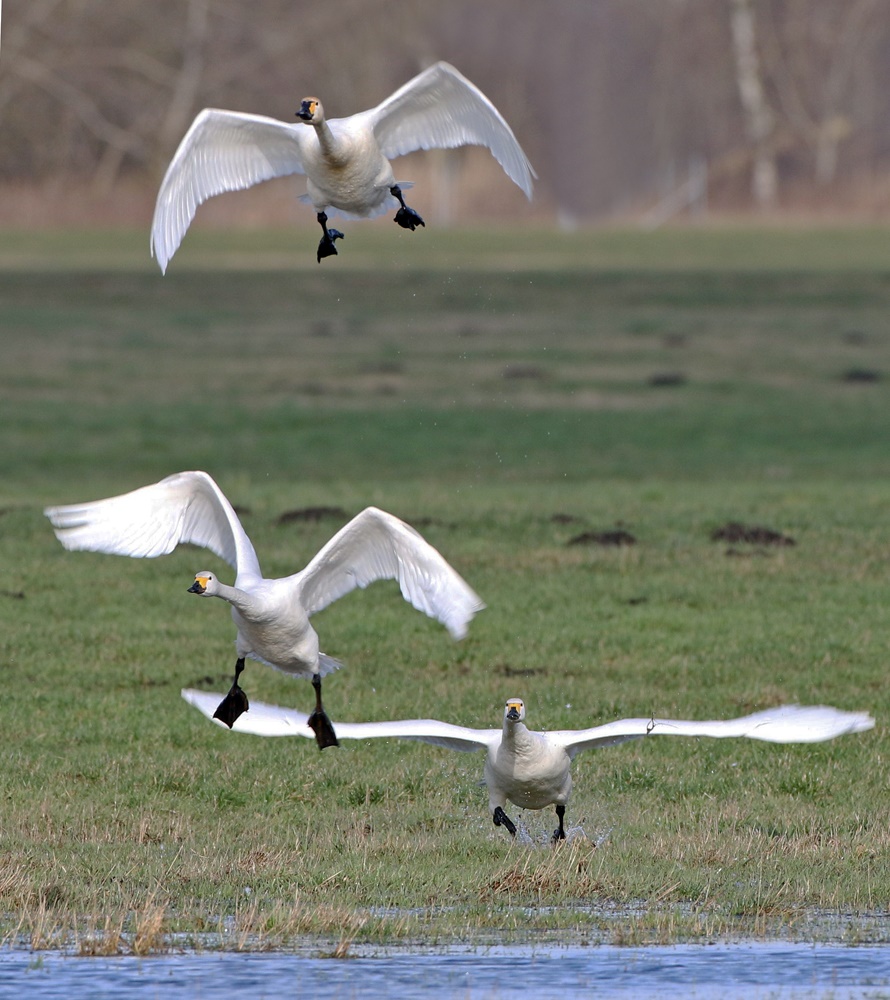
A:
(503, 409)
(375, 247)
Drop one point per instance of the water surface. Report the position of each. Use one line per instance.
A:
(779, 971)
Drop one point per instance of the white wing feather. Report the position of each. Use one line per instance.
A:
(787, 724)
(271, 720)
(441, 109)
(222, 151)
(153, 520)
(375, 545)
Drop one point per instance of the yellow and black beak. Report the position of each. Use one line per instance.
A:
(307, 110)
(513, 713)
(199, 586)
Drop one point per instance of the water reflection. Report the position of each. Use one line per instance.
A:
(778, 971)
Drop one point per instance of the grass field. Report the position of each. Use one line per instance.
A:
(505, 393)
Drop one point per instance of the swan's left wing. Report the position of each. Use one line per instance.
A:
(441, 109)
(787, 724)
(378, 546)
(271, 720)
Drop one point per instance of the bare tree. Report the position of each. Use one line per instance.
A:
(759, 115)
(814, 56)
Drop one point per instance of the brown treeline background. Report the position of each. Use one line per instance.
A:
(643, 110)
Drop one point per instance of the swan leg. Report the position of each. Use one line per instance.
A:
(319, 723)
(502, 819)
(406, 217)
(235, 702)
(326, 246)
(560, 832)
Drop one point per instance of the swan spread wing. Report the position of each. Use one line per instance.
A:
(441, 109)
(153, 520)
(271, 720)
(787, 724)
(375, 545)
(222, 151)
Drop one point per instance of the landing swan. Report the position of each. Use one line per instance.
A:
(533, 770)
(272, 616)
(345, 160)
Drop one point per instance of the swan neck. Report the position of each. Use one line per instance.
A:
(328, 143)
(239, 598)
(514, 732)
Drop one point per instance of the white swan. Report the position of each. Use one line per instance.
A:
(532, 769)
(345, 160)
(272, 616)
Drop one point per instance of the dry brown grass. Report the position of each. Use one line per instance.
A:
(564, 872)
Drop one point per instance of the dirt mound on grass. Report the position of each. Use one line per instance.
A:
(751, 534)
(311, 514)
(617, 536)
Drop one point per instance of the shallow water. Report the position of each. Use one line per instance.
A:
(762, 970)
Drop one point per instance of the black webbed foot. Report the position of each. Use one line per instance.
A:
(560, 832)
(326, 246)
(325, 736)
(502, 819)
(319, 722)
(235, 702)
(407, 218)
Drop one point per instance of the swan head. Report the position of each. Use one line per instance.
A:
(514, 710)
(204, 585)
(311, 111)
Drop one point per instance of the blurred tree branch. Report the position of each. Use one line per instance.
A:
(759, 117)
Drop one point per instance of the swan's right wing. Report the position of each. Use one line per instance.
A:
(222, 151)
(272, 720)
(441, 109)
(153, 520)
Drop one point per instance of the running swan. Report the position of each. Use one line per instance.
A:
(272, 616)
(532, 769)
(345, 160)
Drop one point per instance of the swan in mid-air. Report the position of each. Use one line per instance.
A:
(272, 616)
(345, 160)
(533, 770)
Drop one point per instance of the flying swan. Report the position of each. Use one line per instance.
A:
(533, 770)
(272, 616)
(345, 160)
